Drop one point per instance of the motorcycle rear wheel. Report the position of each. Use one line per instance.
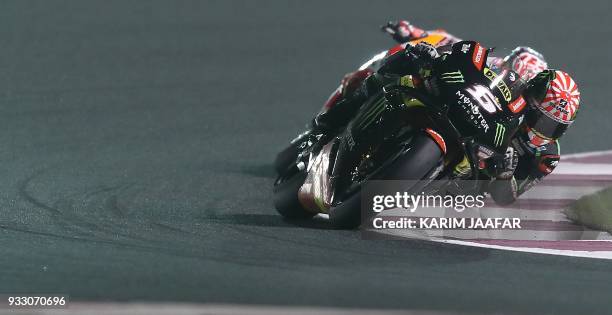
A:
(286, 157)
(286, 199)
(289, 154)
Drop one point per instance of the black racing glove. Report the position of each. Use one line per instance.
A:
(503, 187)
(502, 166)
(402, 31)
(425, 50)
(410, 60)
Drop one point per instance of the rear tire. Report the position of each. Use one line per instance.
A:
(286, 157)
(414, 164)
(286, 199)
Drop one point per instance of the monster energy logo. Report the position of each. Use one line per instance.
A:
(370, 115)
(452, 77)
(499, 135)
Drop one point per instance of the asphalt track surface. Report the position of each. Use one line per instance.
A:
(137, 140)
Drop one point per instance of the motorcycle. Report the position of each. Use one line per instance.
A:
(402, 133)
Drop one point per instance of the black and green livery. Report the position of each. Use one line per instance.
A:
(480, 109)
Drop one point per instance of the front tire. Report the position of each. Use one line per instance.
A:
(423, 156)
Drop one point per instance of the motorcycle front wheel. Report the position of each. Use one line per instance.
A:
(415, 164)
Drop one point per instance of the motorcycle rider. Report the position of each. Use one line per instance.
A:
(551, 96)
(553, 100)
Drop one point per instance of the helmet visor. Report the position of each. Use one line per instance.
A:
(545, 126)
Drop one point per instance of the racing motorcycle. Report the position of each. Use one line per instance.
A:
(403, 133)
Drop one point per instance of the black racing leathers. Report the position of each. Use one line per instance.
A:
(408, 61)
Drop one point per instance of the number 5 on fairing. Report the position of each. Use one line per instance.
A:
(485, 98)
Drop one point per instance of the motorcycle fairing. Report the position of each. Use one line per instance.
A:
(480, 101)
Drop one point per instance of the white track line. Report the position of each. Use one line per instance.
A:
(559, 192)
(591, 169)
(587, 154)
(546, 251)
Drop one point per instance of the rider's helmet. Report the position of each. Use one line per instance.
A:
(553, 99)
(525, 61)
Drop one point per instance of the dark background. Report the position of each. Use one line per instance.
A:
(137, 140)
